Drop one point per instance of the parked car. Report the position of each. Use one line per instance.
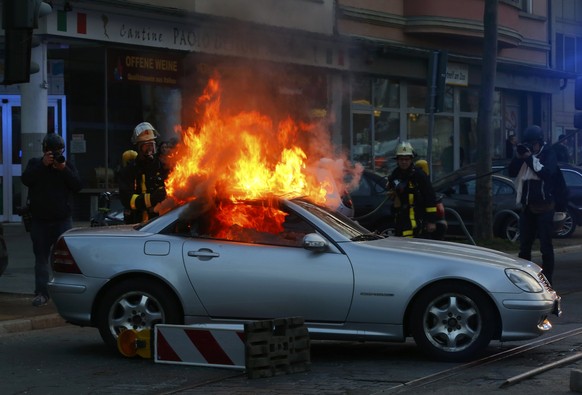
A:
(347, 283)
(459, 188)
(373, 208)
(573, 177)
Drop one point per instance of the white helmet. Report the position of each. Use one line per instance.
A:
(405, 149)
(144, 132)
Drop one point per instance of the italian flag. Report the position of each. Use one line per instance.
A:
(64, 22)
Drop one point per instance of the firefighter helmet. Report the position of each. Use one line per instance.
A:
(52, 142)
(405, 149)
(144, 132)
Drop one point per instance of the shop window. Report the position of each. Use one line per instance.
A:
(361, 91)
(386, 93)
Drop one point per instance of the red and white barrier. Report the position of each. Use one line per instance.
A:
(179, 344)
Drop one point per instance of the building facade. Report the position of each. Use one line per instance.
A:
(362, 64)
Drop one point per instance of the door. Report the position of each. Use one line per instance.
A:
(242, 273)
(11, 149)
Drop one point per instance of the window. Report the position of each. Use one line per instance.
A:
(568, 53)
(207, 226)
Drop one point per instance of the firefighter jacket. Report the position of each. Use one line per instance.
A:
(141, 188)
(414, 200)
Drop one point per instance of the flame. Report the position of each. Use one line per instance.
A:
(242, 157)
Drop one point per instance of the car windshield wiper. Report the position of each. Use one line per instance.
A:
(367, 236)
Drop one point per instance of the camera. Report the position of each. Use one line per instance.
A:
(523, 148)
(58, 157)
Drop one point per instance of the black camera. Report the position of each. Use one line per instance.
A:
(523, 148)
(58, 157)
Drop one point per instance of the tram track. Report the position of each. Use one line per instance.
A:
(491, 359)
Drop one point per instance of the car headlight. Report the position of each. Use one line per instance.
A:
(523, 280)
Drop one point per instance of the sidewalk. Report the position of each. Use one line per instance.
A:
(17, 286)
(17, 283)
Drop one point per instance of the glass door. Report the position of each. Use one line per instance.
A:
(11, 149)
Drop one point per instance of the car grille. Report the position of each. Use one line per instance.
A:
(545, 281)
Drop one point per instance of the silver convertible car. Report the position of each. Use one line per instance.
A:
(346, 283)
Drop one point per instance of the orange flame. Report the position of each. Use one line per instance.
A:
(243, 157)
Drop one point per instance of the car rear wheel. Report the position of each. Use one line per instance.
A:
(568, 228)
(136, 304)
(452, 321)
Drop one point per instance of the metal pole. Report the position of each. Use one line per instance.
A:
(432, 94)
(541, 369)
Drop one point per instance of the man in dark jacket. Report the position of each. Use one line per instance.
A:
(535, 169)
(141, 182)
(414, 199)
(51, 182)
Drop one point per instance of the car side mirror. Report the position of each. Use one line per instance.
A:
(314, 242)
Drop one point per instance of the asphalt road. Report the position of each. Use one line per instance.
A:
(74, 360)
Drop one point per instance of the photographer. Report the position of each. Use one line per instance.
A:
(51, 182)
(535, 169)
(141, 182)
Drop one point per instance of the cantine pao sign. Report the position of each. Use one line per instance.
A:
(143, 67)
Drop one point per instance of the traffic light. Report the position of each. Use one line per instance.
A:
(19, 19)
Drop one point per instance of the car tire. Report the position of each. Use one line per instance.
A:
(510, 228)
(136, 304)
(453, 321)
(568, 228)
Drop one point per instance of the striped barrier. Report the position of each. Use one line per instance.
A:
(264, 349)
(187, 345)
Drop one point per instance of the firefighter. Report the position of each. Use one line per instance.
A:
(414, 200)
(141, 181)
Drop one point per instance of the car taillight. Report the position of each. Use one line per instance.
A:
(61, 259)
(440, 210)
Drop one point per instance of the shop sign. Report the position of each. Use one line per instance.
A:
(143, 67)
(195, 37)
(457, 74)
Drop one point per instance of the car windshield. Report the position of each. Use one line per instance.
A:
(338, 222)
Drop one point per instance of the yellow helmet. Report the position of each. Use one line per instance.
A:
(144, 132)
(405, 149)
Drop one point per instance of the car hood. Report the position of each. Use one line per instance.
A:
(443, 250)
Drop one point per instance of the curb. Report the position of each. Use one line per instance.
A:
(28, 324)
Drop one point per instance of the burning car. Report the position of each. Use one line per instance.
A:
(287, 258)
(249, 232)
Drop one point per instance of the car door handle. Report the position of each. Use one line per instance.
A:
(204, 253)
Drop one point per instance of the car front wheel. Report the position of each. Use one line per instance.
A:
(452, 321)
(136, 304)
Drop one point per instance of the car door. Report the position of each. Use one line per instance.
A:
(255, 275)
(574, 183)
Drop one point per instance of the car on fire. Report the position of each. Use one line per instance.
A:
(310, 262)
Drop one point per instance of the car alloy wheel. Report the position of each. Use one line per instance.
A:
(136, 304)
(452, 321)
(568, 228)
